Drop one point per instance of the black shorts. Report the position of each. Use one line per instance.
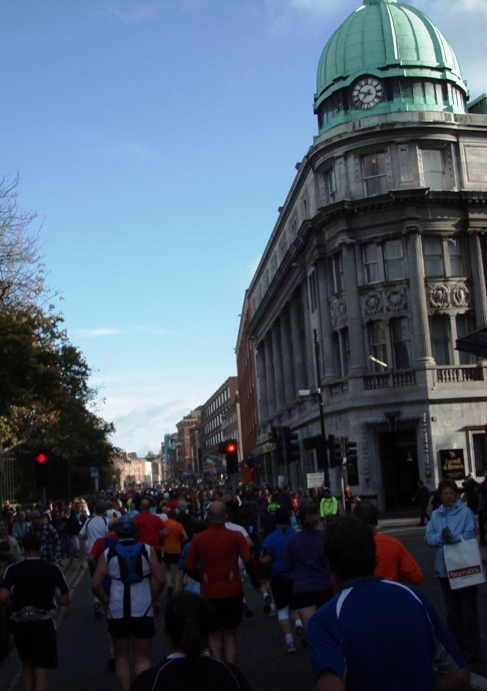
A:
(228, 612)
(138, 627)
(282, 590)
(313, 598)
(36, 643)
(170, 559)
(264, 570)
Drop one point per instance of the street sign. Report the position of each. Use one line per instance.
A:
(94, 472)
(315, 480)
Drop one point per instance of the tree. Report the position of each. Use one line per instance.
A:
(45, 395)
(22, 273)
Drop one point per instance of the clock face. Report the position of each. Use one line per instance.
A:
(367, 93)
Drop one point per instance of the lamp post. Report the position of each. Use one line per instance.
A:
(323, 448)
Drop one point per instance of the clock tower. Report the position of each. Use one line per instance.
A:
(387, 57)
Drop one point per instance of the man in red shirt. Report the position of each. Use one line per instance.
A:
(149, 527)
(212, 559)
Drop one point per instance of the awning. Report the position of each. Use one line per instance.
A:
(474, 342)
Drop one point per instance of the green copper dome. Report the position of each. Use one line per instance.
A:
(385, 38)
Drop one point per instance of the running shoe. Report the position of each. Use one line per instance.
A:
(290, 648)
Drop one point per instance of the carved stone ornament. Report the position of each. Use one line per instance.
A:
(448, 295)
(338, 312)
(459, 295)
(396, 299)
(373, 302)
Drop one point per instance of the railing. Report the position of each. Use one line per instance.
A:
(448, 375)
(388, 380)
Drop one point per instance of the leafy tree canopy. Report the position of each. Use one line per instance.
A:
(45, 397)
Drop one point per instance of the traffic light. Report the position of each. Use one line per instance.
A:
(291, 445)
(277, 437)
(231, 456)
(42, 468)
(335, 448)
(352, 462)
(351, 452)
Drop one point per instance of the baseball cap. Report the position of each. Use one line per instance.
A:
(125, 526)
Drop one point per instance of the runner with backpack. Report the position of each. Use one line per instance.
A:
(136, 581)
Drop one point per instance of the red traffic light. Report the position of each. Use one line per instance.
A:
(41, 458)
(231, 447)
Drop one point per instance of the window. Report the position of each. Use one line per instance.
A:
(330, 184)
(377, 345)
(433, 169)
(374, 171)
(371, 263)
(393, 260)
(440, 334)
(433, 256)
(464, 324)
(442, 256)
(341, 353)
(384, 261)
(336, 273)
(454, 256)
(401, 344)
(313, 291)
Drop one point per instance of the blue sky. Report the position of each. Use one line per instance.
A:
(156, 140)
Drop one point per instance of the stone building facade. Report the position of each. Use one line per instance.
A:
(377, 265)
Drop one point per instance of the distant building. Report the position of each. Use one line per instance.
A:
(219, 421)
(187, 458)
(247, 384)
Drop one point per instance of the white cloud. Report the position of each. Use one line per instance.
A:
(96, 333)
(126, 331)
(135, 14)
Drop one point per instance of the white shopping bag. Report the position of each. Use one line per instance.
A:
(464, 564)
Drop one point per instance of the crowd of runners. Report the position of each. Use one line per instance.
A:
(189, 551)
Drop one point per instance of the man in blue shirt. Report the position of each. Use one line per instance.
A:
(377, 634)
(282, 581)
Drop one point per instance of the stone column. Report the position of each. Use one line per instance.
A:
(269, 369)
(262, 382)
(479, 289)
(298, 342)
(358, 362)
(278, 368)
(290, 391)
(418, 299)
(325, 322)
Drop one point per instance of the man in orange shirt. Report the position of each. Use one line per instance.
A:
(394, 562)
(174, 536)
(216, 551)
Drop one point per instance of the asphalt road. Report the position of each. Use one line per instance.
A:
(83, 648)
